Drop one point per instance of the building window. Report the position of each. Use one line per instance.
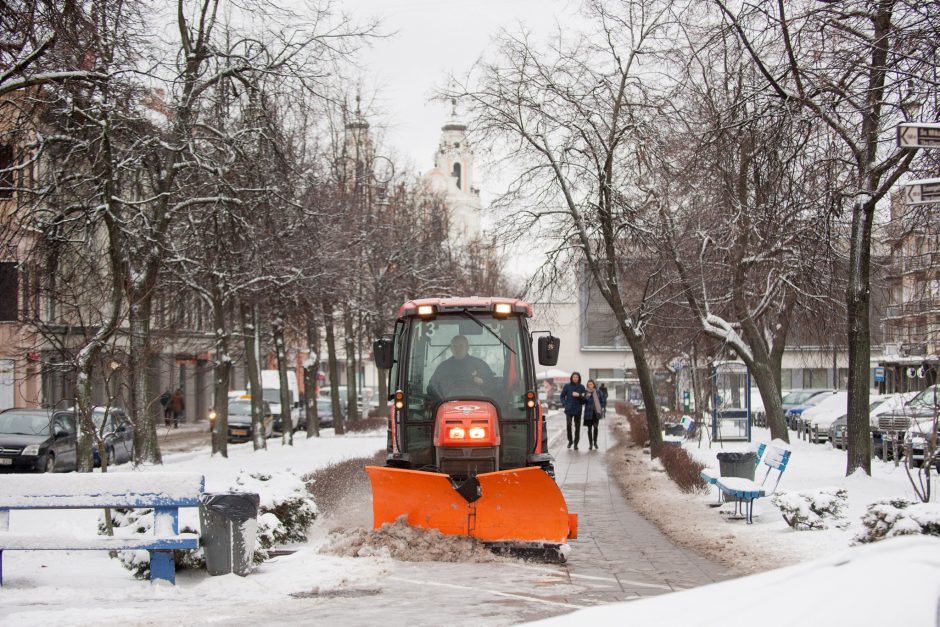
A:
(6, 171)
(815, 378)
(9, 285)
(599, 326)
(456, 174)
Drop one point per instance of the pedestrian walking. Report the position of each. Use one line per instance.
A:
(603, 389)
(595, 403)
(572, 397)
(178, 406)
(165, 403)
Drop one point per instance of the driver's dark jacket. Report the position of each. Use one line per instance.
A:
(455, 376)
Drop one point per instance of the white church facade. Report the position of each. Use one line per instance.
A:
(452, 176)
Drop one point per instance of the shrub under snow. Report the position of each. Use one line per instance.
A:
(127, 522)
(811, 509)
(899, 517)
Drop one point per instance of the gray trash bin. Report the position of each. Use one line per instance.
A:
(229, 524)
(736, 465)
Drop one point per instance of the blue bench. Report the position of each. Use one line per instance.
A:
(164, 492)
(747, 491)
(711, 476)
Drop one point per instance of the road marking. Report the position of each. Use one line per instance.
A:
(499, 593)
(565, 571)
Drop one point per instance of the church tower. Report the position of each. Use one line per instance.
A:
(453, 175)
(357, 157)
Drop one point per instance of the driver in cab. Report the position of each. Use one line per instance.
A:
(461, 373)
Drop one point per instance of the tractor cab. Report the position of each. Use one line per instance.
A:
(465, 414)
(464, 387)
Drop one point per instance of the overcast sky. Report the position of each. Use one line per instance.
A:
(432, 39)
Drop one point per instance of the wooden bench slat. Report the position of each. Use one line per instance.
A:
(45, 542)
(79, 491)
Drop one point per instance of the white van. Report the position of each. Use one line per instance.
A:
(271, 392)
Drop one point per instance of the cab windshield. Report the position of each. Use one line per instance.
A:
(456, 357)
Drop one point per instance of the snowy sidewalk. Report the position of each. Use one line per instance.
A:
(628, 555)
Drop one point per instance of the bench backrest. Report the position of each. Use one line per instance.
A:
(93, 490)
(775, 458)
(760, 453)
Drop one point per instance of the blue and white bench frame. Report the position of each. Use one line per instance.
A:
(164, 492)
(747, 491)
(711, 476)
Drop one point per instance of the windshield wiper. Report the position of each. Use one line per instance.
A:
(493, 333)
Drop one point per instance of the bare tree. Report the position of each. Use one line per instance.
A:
(569, 115)
(852, 66)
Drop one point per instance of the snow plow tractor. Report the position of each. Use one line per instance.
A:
(467, 441)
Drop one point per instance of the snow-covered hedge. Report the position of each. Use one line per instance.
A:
(812, 509)
(127, 522)
(286, 512)
(899, 517)
(285, 496)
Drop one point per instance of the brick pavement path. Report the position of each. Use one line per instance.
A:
(617, 545)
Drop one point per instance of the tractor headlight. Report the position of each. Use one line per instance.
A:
(477, 433)
(32, 450)
(457, 433)
(212, 414)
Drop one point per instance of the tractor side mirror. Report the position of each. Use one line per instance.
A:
(382, 351)
(548, 350)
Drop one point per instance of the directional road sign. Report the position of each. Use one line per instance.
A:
(919, 135)
(922, 192)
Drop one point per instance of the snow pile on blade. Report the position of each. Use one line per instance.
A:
(401, 541)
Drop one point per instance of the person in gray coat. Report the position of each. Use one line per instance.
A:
(595, 404)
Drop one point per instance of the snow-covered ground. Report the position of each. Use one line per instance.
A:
(895, 582)
(812, 467)
(85, 587)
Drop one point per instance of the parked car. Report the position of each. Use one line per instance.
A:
(922, 410)
(797, 401)
(325, 412)
(877, 406)
(118, 435)
(37, 440)
(239, 420)
(823, 413)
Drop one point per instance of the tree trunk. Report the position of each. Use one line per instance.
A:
(222, 375)
(338, 427)
(251, 336)
(83, 406)
(352, 399)
(310, 377)
(858, 435)
(142, 409)
(280, 351)
(648, 389)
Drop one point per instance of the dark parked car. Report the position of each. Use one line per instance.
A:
(118, 435)
(37, 440)
(325, 412)
(239, 420)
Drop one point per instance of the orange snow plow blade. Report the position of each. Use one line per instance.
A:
(522, 505)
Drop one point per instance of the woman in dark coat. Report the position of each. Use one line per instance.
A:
(595, 403)
(572, 396)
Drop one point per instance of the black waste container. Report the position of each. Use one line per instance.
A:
(229, 524)
(737, 465)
